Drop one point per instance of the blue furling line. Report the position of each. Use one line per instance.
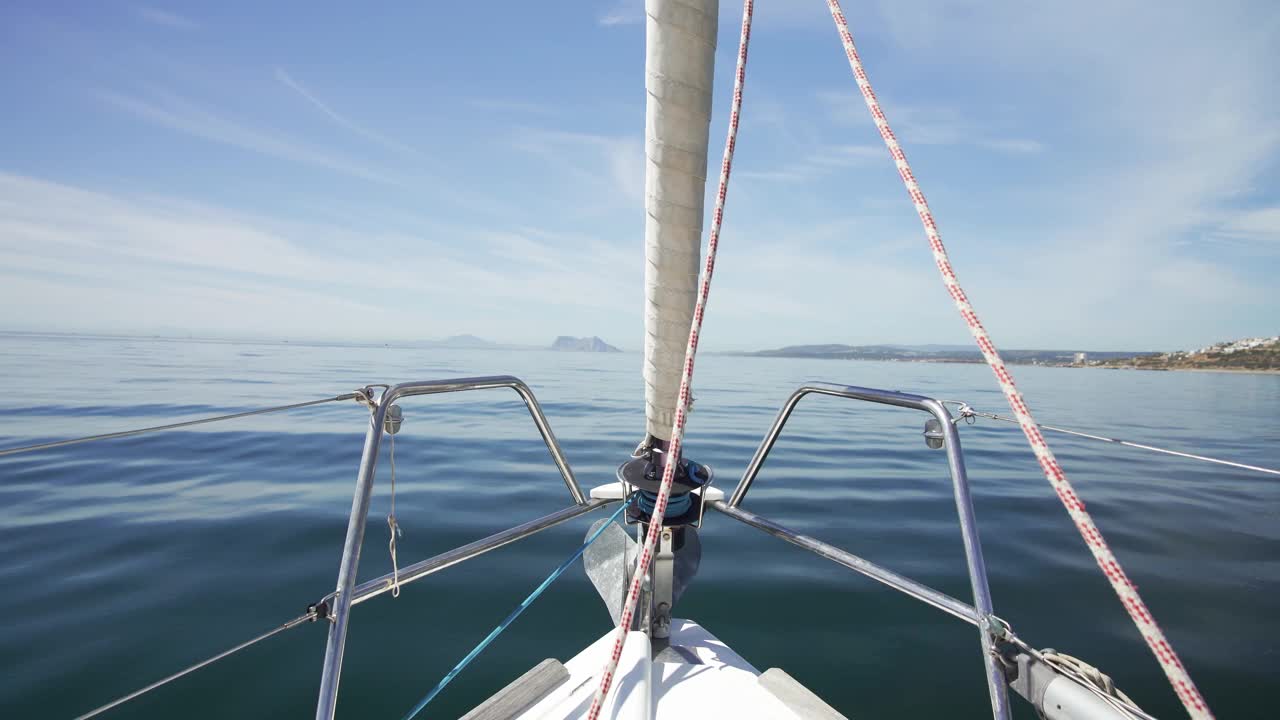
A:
(691, 468)
(514, 614)
(676, 504)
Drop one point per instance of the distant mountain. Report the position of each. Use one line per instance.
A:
(936, 353)
(836, 351)
(565, 343)
(935, 348)
(466, 341)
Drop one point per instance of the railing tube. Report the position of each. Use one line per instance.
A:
(973, 557)
(902, 584)
(372, 588)
(336, 644)
(343, 597)
(964, 507)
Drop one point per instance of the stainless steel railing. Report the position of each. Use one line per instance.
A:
(348, 593)
(345, 594)
(377, 586)
(994, 633)
(981, 612)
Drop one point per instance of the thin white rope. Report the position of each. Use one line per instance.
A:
(393, 525)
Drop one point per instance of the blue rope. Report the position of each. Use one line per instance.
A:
(514, 614)
(676, 504)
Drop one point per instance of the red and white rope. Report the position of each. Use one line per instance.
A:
(1128, 592)
(682, 406)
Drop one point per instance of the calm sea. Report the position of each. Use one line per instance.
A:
(123, 560)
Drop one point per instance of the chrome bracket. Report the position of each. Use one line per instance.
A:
(395, 418)
(663, 589)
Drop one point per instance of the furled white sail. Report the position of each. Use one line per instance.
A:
(679, 65)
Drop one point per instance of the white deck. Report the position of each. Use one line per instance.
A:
(723, 685)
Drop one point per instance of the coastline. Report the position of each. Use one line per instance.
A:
(1065, 366)
(1238, 371)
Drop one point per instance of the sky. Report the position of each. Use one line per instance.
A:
(1106, 175)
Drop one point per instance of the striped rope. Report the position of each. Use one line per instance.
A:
(1125, 589)
(682, 406)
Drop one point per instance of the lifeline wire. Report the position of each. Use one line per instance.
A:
(1125, 589)
(966, 411)
(175, 426)
(203, 663)
(686, 378)
(514, 614)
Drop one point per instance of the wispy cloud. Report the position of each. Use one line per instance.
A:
(819, 163)
(85, 251)
(288, 81)
(1013, 145)
(1260, 225)
(1129, 226)
(1081, 175)
(918, 125)
(183, 116)
(612, 163)
(1110, 243)
(509, 106)
(622, 12)
(163, 18)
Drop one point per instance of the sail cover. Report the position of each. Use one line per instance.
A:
(679, 65)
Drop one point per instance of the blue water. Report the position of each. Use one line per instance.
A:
(123, 560)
